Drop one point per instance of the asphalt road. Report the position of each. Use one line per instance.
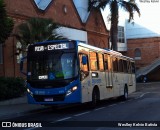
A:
(140, 112)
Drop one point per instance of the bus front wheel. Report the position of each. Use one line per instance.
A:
(95, 98)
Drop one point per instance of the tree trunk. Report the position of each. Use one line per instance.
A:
(114, 25)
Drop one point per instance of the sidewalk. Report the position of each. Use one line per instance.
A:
(17, 107)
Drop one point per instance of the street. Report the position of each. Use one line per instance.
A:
(140, 111)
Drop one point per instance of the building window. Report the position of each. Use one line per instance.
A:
(121, 37)
(1, 54)
(137, 54)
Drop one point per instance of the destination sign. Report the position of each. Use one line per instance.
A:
(54, 47)
(57, 47)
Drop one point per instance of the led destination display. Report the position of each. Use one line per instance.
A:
(54, 47)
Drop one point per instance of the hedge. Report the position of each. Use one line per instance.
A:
(11, 88)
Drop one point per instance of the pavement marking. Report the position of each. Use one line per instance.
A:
(121, 102)
(32, 128)
(137, 98)
(144, 94)
(99, 108)
(63, 119)
(129, 100)
(112, 105)
(82, 113)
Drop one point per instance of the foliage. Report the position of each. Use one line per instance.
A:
(37, 30)
(128, 6)
(11, 87)
(6, 23)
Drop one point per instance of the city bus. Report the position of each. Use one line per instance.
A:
(64, 72)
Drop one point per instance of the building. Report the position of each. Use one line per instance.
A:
(143, 44)
(77, 24)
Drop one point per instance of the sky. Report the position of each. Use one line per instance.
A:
(150, 15)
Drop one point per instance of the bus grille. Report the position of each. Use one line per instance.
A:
(41, 98)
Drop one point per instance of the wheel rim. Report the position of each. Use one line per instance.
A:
(125, 94)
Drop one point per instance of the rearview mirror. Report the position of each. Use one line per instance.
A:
(21, 65)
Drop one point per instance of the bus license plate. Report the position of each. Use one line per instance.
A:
(48, 99)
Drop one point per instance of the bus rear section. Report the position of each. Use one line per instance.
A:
(105, 74)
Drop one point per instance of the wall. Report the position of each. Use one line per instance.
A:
(150, 50)
(61, 11)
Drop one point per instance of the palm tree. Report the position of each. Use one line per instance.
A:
(6, 23)
(37, 30)
(129, 6)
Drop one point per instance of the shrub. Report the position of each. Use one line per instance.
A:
(11, 88)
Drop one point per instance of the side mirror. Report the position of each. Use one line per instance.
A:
(21, 65)
(84, 60)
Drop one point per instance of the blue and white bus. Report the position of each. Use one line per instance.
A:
(71, 72)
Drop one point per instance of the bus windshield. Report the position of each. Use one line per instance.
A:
(52, 66)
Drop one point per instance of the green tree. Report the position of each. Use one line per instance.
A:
(37, 30)
(114, 5)
(6, 23)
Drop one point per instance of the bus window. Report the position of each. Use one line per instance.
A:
(84, 69)
(133, 67)
(115, 64)
(120, 65)
(129, 67)
(101, 65)
(125, 66)
(106, 61)
(93, 61)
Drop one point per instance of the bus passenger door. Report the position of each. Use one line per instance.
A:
(108, 75)
(84, 77)
(108, 69)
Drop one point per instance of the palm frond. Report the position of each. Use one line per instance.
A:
(98, 4)
(37, 30)
(130, 7)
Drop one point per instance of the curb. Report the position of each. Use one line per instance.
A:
(20, 100)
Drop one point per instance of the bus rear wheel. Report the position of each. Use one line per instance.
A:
(125, 96)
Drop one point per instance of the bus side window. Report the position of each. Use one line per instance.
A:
(125, 66)
(129, 67)
(120, 65)
(101, 64)
(106, 61)
(115, 64)
(133, 67)
(93, 61)
(84, 69)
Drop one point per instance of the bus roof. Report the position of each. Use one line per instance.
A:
(80, 43)
(111, 52)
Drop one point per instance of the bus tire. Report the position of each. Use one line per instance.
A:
(95, 98)
(125, 96)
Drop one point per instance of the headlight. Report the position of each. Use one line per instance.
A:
(29, 92)
(70, 91)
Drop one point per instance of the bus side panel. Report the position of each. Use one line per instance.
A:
(132, 88)
(85, 87)
(116, 84)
